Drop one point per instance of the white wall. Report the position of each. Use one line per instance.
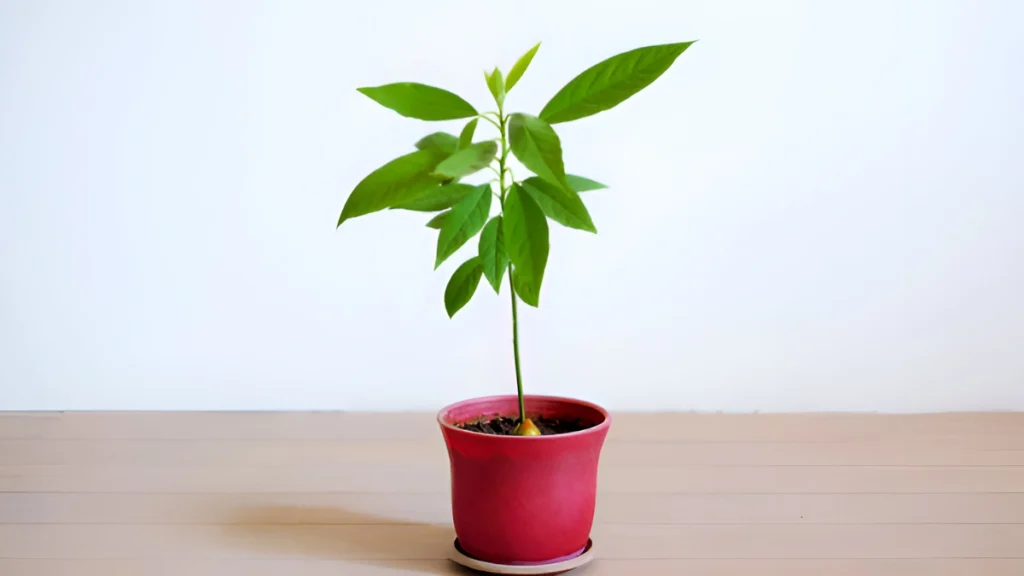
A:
(820, 207)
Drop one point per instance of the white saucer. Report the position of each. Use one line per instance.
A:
(459, 557)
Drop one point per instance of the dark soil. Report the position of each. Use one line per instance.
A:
(503, 426)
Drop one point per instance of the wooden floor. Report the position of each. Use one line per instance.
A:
(317, 494)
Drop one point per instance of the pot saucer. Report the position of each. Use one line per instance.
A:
(550, 569)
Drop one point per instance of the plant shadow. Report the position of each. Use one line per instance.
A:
(331, 533)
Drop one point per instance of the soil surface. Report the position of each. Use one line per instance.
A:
(503, 426)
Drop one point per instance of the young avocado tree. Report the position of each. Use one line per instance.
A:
(516, 237)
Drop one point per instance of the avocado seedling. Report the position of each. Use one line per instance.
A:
(515, 238)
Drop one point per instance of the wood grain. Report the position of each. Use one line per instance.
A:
(300, 453)
(430, 542)
(372, 508)
(321, 493)
(433, 478)
(1000, 430)
(601, 567)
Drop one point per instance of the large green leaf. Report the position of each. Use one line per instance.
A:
(462, 285)
(581, 184)
(437, 222)
(517, 282)
(520, 67)
(401, 180)
(437, 198)
(562, 206)
(466, 137)
(526, 242)
(415, 100)
(467, 161)
(496, 84)
(493, 258)
(608, 83)
(536, 145)
(466, 219)
(442, 141)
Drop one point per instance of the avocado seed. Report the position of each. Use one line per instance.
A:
(526, 428)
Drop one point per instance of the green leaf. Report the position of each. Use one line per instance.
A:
(562, 206)
(442, 141)
(467, 161)
(520, 67)
(462, 285)
(517, 282)
(526, 242)
(437, 198)
(467, 218)
(608, 83)
(420, 101)
(581, 184)
(401, 180)
(466, 137)
(493, 258)
(536, 145)
(438, 221)
(496, 84)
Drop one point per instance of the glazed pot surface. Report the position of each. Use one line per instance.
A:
(523, 500)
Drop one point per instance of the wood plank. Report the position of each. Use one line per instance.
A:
(304, 453)
(992, 430)
(812, 541)
(28, 424)
(363, 508)
(434, 478)
(431, 542)
(601, 567)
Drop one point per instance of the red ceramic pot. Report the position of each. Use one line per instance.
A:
(523, 500)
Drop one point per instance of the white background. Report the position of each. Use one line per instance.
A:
(819, 207)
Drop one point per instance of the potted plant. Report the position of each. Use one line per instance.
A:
(523, 468)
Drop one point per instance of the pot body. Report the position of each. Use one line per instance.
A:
(523, 500)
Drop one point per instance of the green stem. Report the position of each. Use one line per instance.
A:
(515, 346)
(504, 156)
(491, 120)
(502, 169)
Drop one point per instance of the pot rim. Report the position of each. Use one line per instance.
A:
(603, 425)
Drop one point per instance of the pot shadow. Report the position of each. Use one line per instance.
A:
(331, 533)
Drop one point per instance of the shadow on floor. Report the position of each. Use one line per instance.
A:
(338, 534)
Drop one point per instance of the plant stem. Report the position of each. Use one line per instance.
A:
(502, 169)
(515, 346)
(504, 156)
(491, 120)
